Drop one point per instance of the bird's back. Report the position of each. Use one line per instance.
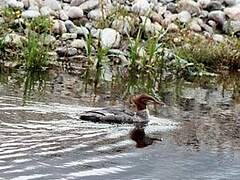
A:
(117, 115)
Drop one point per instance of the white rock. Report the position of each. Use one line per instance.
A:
(59, 27)
(75, 12)
(233, 12)
(67, 36)
(82, 30)
(218, 38)
(89, 5)
(172, 28)
(13, 38)
(35, 8)
(95, 32)
(30, 14)
(53, 4)
(95, 14)
(141, 6)
(184, 17)
(231, 26)
(194, 26)
(63, 15)
(109, 38)
(78, 43)
(14, 4)
(46, 11)
(49, 39)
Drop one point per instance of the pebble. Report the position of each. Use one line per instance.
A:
(184, 17)
(75, 12)
(67, 36)
(78, 43)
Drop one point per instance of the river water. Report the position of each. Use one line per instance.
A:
(41, 137)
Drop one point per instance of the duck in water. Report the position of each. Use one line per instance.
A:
(123, 115)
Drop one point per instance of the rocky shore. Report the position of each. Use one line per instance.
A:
(111, 24)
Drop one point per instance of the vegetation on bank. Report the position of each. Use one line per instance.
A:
(182, 53)
(213, 55)
(23, 41)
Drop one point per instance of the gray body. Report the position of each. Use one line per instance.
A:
(117, 115)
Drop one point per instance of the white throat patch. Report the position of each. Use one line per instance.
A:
(142, 116)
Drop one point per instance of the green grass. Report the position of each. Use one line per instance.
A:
(35, 54)
(40, 25)
(214, 56)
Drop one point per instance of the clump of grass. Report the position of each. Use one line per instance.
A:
(40, 24)
(9, 14)
(212, 54)
(32, 53)
(35, 53)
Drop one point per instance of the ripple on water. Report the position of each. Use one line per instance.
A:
(49, 142)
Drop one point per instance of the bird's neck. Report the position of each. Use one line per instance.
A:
(144, 114)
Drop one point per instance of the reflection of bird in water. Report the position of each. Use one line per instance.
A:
(139, 136)
(122, 115)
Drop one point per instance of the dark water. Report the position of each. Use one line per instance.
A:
(200, 131)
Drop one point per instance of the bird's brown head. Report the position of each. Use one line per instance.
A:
(142, 100)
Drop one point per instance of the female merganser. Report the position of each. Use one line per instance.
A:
(122, 115)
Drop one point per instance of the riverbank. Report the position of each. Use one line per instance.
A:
(184, 37)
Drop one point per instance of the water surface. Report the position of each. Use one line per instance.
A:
(41, 136)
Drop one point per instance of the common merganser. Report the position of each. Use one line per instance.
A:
(123, 115)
